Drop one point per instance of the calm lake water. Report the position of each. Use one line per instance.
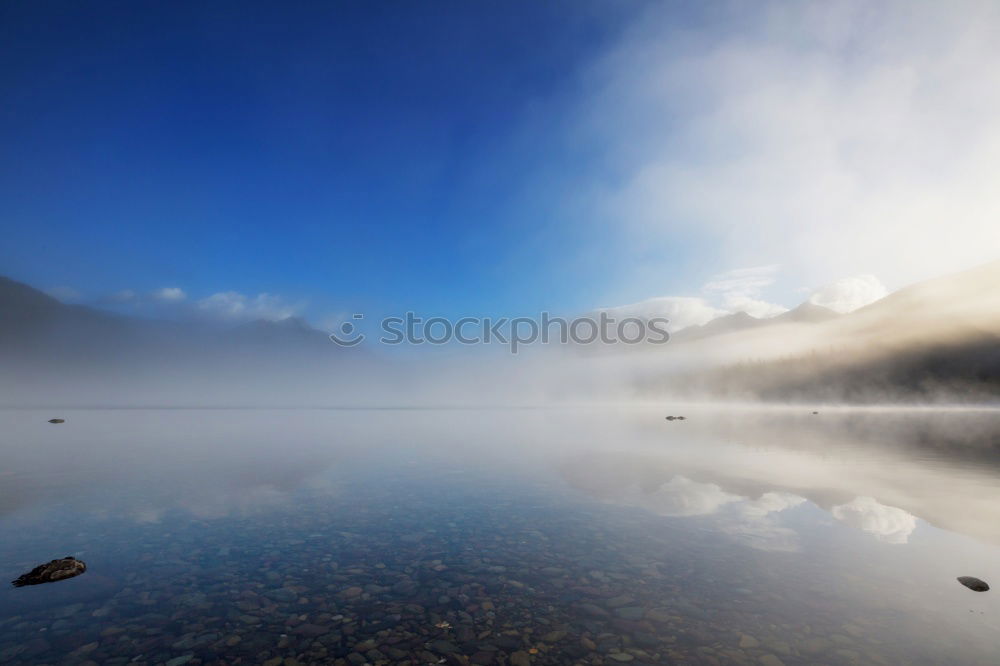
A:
(509, 537)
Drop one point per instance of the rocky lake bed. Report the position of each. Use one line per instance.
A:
(437, 562)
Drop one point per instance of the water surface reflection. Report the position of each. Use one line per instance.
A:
(590, 536)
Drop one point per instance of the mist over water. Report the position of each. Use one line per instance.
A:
(593, 534)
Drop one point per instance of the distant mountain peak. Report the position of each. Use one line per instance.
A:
(16, 295)
(294, 322)
(808, 312)
(737, 321)
(742, 316)
(290, 330)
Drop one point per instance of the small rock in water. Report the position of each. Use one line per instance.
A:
(633, 613)
(974, 583)
(676, 418)
(520, 658)
(67, 567)
(57, 420)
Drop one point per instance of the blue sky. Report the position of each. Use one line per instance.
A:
(485, 158)
(353, 155)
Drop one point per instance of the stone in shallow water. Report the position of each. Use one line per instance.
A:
(631, 612)
(352, 592)
(57, 420)
(53, 571)
(311, 630)
(815, 645)
(282, 594)
(67, 611)
(520, 658)
(974, 583)
(444, 647)
(620, 600)
(771, 660)
(592, 610)
(659, 615)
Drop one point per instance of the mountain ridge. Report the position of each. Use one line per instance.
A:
(32, 322)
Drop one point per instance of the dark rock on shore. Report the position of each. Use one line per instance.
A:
(53, 571)
(974, 583)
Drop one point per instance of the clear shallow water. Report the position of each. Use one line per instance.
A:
(501, 537)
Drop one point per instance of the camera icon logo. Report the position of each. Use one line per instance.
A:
(348, 335)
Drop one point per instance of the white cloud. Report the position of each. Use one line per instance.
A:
(169, 294)
(756, 525)
(737, 290)
(753, 306)
(682, 311)
(233, 305)
(743, 280)
(123, 296)
(741, 289)
(838, 138)
(849, 294)
(887, 523)
(752, 522)
(683, 497)
(770, 503)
